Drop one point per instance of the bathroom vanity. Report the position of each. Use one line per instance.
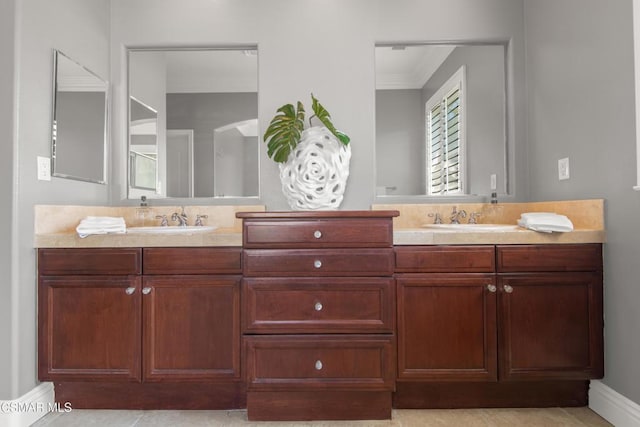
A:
(323, 315)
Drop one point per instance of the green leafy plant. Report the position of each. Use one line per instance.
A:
(285, 130)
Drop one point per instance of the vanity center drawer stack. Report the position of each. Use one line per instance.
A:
(318, 314)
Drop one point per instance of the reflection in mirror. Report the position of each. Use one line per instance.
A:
(143, 146)
(206, 105)
(79, 122)
(440, 119)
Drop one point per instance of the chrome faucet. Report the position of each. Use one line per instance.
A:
(473, 217)
(180, 217)
(437, 219)
(457, 214)
(164, 222)
(199, 219)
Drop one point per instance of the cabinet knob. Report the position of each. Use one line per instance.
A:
(146, 291)
(130, 290)
(318, 306)
(491, 288)
(508, 289)
(317, 234)
(317, 263)
(318, 365)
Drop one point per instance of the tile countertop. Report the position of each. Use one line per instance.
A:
(587, 217)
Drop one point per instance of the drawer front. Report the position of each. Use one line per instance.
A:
(192, 260)
(99, 261)
(524, 258)
(304, 305)
(318, 262)
(357, 362)
(376, 232)
(444, 259)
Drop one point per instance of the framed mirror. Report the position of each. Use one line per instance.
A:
(79, 121)
(204, 105)
(441, 119)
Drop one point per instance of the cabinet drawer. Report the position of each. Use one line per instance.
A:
(53, 262)
(318, 262)
(443, 259)
(356, 305)
(357, 362)
(192, 260)
(583, 257)
(376, 232)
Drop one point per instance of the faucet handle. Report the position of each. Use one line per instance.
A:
(164, 221)
(437, 219)
(473, 217)
(199, 219)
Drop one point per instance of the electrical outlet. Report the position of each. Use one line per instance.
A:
(44, 168)
(494, 181)
(563, 169)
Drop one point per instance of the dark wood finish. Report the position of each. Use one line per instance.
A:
(529, 394)
(192, 260)
(318, 405)
(164, 395)
(525, 258)
(551, 326)
(317, 214)
(445, 259)
(191, 328)
(306, 305)
(446, 327)
(323, 362)
(302, 262)
(89, 328)
(100, 261)
(322, 233)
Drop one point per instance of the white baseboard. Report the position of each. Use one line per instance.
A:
(28, 408)
(612, 406)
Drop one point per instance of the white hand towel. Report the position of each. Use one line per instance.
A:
(545, 222)
(101, 225)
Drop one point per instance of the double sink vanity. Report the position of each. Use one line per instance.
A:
(323, 315)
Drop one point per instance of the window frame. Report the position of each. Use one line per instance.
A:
(456, 81)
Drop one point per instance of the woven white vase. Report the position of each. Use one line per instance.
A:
(315, 175)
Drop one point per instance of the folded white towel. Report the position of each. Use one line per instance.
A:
(545, 222)
(101, 225)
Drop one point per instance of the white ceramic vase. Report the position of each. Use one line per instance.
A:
(314, 176)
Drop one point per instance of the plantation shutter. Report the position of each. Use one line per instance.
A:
(444, 144)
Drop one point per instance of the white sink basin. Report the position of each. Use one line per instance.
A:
(474, 228)
(172, 229)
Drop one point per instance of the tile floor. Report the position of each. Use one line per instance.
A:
(550, 417)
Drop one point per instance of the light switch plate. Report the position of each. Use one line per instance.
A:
(563, 169)
(44, 168)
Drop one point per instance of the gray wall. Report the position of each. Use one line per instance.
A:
(581, 105)
(328, 54)
(7, 172)
(204, 112)
(80, 29)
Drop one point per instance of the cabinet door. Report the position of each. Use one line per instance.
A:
(191, 327)
(447, 327)
(89, 328)
(550, 326)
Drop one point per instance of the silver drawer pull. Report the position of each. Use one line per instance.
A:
(317, 263)
(492, 288)
(318, 365)
(508, 289)
(130, 291)
(318, 306)
(317, 234)
(146, 291)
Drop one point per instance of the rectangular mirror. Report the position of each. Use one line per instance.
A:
(79, 121)
(441, 119)
(204, 106)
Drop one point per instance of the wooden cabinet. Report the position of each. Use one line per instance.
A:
(550, 312)
(318, 308)
(483, 336)
(153, 315)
